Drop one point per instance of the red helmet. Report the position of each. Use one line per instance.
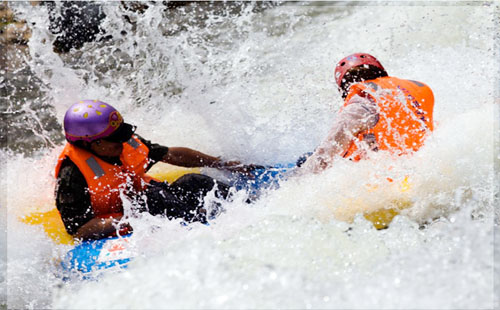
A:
(352, 61)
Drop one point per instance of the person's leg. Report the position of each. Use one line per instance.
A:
(161, 200)
(184, 197)
(193, 187)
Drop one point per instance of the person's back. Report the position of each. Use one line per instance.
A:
(404, 110)
(380, 113)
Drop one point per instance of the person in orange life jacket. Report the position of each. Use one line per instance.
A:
(380, 113)
(104, 160)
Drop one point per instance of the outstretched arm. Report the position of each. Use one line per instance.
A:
(356, 117)
(336, 143)
(186, 157)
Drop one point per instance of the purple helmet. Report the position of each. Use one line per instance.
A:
(90, 120)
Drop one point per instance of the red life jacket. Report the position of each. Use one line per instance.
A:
(106, 181)
(405, 110)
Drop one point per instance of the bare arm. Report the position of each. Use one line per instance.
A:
(358, 116)
(98, 228)
(186, 157)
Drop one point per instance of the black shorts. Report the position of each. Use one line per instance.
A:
(184, 197)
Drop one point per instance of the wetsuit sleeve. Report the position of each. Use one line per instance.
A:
(358, 115)
(72, 197)
(156, 151)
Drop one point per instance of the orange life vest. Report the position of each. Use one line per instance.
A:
(106, 181)
(405, 116)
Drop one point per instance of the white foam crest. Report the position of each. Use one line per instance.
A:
(31, 266)
(30, 189)
(31, 258)
(296, 262)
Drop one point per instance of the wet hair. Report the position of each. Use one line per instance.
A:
(360, 74)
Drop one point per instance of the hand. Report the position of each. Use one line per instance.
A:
(124, 229)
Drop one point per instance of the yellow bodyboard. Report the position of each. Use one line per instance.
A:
(51, 223)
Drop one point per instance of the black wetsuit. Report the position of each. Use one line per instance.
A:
(181, 199)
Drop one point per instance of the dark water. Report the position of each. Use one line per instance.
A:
(27, 120)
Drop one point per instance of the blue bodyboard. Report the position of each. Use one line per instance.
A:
(93, 255)
(264, 178)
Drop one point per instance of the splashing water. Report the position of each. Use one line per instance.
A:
(257, 86)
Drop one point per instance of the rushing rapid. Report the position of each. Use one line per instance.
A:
(255, 83)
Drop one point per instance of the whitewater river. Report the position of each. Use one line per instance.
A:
(257, 85)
